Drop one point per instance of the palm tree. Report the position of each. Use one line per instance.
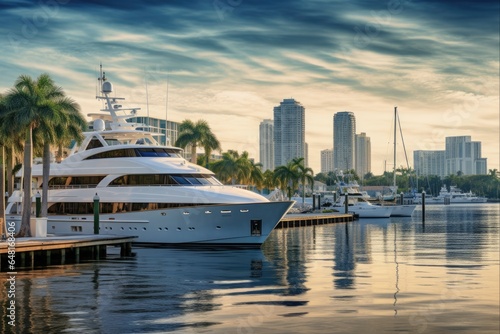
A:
(269, 181)
(35, 104)
(304, 174)
(196, 134)
(233, 167)
(256, 177)
(210, 144)
(286, 177)
(67, 123)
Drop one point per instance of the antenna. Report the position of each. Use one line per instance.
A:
(166, 114)
(147, 100)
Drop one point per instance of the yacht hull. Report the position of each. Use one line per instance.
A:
(369, 211)
(221, 224)
(405, 210)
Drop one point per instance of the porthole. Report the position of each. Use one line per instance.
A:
(178, 229)
(208, 212)
(225, 211)
(244, 210)
(218, 227)
(159, 228)
(163, 213)
(185, 213)
(144, 228)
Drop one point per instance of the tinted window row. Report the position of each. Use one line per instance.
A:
(136, 152)
(166, 179)
(88, 208)
(75, 181)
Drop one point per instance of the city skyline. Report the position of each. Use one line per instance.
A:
(231, 62)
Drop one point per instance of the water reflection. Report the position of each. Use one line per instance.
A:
(373, 275)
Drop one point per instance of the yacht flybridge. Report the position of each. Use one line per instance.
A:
(145, 189)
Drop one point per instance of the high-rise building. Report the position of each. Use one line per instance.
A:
(464, 155)
(460, 155)
(289, 132)
(344, 130)
(327, 160)
(429, 163)
(266, 144)
(363, 161)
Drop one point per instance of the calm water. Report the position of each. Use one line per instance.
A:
(370, 276)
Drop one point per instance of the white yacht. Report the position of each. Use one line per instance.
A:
(145, 190)
(455, 196)
(357, 202)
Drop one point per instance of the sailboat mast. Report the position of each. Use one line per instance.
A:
(394, 170)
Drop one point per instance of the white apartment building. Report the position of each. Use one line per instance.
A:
(327, 160)
(363, 153)
(344, 130)
(266, 144)
(289, 132)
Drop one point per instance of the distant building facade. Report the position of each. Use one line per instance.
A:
(427, 163)
(289, 132)
(327, 161)
(168, 131)
(363, 153)
(464, 155)
(344, 130)
(461, 154)
(266, 144)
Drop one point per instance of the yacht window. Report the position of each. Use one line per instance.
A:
(180, 180)
(203, 180)
(87, 208)
(112, 141)
(120, 153)
(94, 143)
(164, 179)
(213, 181)
(75, 181)
(146, 152)
(193, 180)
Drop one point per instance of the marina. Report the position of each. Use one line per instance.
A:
(379, 275)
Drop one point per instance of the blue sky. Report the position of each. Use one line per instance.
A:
(231, 61)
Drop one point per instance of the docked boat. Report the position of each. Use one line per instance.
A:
(401, 207)
(358, 203)
(145, 190)
(455, 196)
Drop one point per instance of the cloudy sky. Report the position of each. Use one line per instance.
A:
(231, 61)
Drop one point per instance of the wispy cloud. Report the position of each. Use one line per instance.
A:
(235, 62)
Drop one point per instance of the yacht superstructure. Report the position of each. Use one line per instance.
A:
(145, 189)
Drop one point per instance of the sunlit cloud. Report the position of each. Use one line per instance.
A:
(437, 61)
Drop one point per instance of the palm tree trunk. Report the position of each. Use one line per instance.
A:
(45, 183)
(9, 162)
(303, 191)
(193, 153)
(24, 230)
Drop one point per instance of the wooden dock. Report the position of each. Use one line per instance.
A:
(310, 219)
(31, 253)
